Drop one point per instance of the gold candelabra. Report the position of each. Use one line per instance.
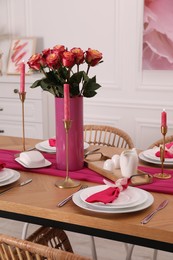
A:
(68, 182)
(163, 175)
(22, 96)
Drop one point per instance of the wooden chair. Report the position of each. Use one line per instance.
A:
(107, 135)
(52, 237)
(168, 139)
(12, 248)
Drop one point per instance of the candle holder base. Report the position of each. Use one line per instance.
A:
(162, 175)
(67, 183)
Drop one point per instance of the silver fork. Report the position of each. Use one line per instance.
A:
(149, 216)
(63, 202)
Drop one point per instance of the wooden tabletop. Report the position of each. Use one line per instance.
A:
(36, 203)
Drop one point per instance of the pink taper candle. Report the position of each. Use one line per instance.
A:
(66, 102)
(164, 118)
(22, 77)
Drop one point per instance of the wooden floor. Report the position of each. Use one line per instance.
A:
(106, 249)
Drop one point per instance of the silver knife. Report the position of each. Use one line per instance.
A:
(149, 216)
(20, 184)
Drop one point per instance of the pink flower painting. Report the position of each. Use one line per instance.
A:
(158, 35)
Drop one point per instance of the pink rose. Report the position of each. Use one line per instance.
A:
(78, 55)
(36, 61)
(68, 59)
(93, 57)
(52, 60)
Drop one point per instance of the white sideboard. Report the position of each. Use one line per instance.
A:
(11, 108)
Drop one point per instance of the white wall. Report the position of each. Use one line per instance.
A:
(130, 98)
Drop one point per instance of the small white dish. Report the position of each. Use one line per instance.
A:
(32, 159)
(15, 177)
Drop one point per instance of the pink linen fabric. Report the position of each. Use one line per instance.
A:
(109, 194)
(85, 174)
(52, 142)
(158, 185)
(2, 165)
(168, 151)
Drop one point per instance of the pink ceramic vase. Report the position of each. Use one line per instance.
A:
(75, 134)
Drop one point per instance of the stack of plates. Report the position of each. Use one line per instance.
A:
(149, 156)
(8, 176)
(130, 200)
(45, 147)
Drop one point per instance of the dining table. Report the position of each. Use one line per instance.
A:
(37, 203)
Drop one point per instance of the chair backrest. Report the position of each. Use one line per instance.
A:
(168, 139)
(52, 237)
(107, 135)
(18, 249)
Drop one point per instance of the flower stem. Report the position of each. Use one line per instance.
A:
(88, 69)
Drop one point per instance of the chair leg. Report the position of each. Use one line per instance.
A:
(129, 249)
(93, 248)
(155, 254)
(24, 230)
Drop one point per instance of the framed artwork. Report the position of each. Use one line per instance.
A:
(21, 50)
(158, 35)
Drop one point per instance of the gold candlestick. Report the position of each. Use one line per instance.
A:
(22, 96)
(68, 182)
(163, 175)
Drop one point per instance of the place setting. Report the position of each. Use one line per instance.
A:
(112, 198)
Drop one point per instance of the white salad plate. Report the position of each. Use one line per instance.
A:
(77, 201)
(14, 177)
(128, 198)
(45, 147)
(145, 159)
(5, 175)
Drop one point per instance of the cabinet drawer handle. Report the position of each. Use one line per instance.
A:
(16, 91)
(2, 131)
(1, 109)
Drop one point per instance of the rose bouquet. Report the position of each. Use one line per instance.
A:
(61, 66)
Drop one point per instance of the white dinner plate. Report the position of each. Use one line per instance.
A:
(45, 164)
(145, 159)
(150, 154)
(15, 177)
(5, 175)
(77, 200)
(132, 196)
(45, 147)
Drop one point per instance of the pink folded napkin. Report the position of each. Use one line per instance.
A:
(111, 193)
(52, 141)
(2, 165)
(168, 151)
(158, 185)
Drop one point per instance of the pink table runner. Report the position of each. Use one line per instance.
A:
(158, 185)
(85, 174)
